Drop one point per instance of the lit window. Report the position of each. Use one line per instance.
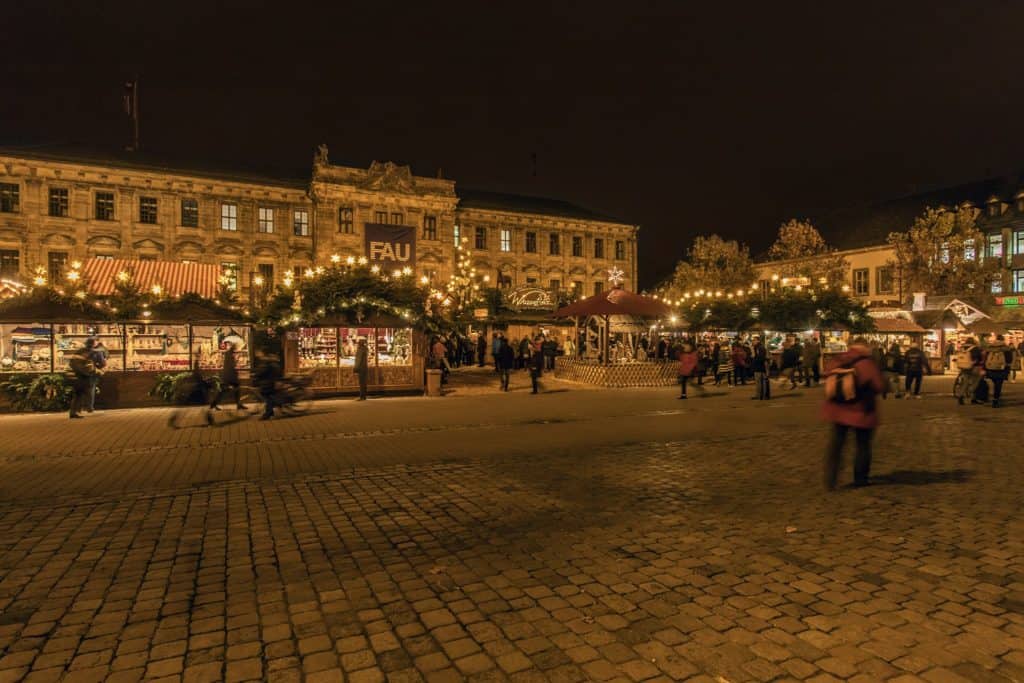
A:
(147, 210)
(190, 213)
(506, 239)
(1018, 242)
(9, 197)
(480, 241)
(531, 243)
(104, 206)
(994, 248)
(430, 227)
(457, 233)
(884, 280)
(944, 252)
(300, 223)
(266, 271)
(861, 281)
(554, 244)
(229, 216)
(56, 260)
(230, 271)
(1018, 281)
(577, 246)
(10, 262)
(58, 201)
(265, 219)
(969, 251)
(346, 220)
(997, 284)
(598, 247)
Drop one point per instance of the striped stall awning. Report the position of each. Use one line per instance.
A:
(175, 278)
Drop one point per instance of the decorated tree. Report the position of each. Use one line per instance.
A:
(464, 290)
(805, 255)
(128, 299)
(792, 309)
(941, 254)
(711, 264)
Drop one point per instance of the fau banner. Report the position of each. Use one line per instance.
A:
(390, 246)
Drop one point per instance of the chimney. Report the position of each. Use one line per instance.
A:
(920, 299)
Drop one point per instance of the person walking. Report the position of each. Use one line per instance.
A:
(893, 364)
(759, 365)
(689, 364)
(725, 367)
(812, 362)
(998, 360)
(228, 380)
(790, 359)
(740, 360)
(550, 349)
(81, 371)
(98, 354)
(969, 365)
(914, 366)
(536, 363)
(266, 372)
(362, 366)
(495, 347)
(852, 407)
(524, 353)
(506, 362)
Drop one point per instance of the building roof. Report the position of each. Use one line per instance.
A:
(870, 225)
(514, 203)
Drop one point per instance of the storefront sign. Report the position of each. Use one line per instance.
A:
(530, 299)
(1010, 301)
(390, 246)
(481, 313)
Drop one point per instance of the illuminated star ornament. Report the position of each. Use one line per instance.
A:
(616, 277)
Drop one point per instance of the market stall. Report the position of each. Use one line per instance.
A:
(327, 351)
(39, 331)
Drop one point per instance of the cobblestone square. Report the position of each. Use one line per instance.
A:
(572, 536)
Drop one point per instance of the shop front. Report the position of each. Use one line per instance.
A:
(327, 352)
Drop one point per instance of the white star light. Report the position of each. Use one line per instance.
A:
(616, 276)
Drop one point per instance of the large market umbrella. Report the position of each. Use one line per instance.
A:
(617, 302)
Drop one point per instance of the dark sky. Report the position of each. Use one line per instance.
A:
(682, 117)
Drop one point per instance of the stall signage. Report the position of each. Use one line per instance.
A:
(530, 299)
(1009, 301)
(390, 246)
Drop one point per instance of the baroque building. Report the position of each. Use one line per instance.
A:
(56, 208)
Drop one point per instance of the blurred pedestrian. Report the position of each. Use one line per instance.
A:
(99, 356)
(362, 366)
(852, 385)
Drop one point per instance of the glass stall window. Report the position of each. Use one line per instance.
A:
(25, 347)
(318, 347)
(209, 342)
(157, 347)
(394, 346)
(69, 338)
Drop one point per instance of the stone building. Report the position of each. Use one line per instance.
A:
(55, 208)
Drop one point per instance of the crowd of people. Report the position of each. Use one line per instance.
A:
(536, 354)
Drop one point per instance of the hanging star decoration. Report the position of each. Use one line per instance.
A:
(616, 276)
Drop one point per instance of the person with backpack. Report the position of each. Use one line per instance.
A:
(893, 364)
(99, 359)
(998, 360)
(852, 385)
(914, 365)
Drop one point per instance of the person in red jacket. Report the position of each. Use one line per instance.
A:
(860, 415)
(688, 362)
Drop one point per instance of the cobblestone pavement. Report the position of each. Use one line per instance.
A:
(571, 536)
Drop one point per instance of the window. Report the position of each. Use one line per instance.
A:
(10, 262)
(480, 239)
(506, 239)
(190, 213)
(994, 246)
(59, 201)
(1018, 281)
(265, 219)
(110, 257)
(555, 284)
(56, 260)
(104, 206)
(266, 271)
(598, 247)
(147, 257)
(995, 208)
(9, 197)
(598, 288)
(300, 223)
(380, 217)
(346, 220)
(531, 280)
(944, 252)
(147, 210)
(229, 270)
(396, 219)
(860, 281)
(997, 284)
(458, 234)
(620, 250)
(554, 244)
(577, 286)
(884, 280)
(229, 216)
(577, 245)
(1018, 242)
(531, 243)
(430, 227)
(969, 251)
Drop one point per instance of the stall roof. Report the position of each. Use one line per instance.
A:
(47, 307)
(616, 302)
(897, 326)
(174, 277)
(987, 326)
(194, 310)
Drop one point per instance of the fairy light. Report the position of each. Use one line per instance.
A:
(350, 260)
(335, 258)
(157, 290)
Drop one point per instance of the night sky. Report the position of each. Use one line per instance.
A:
(682, 117)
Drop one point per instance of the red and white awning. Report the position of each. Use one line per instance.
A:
(175, 278)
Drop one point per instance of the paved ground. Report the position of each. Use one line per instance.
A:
(574, 535)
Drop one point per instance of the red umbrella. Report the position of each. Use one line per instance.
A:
(616, 302)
